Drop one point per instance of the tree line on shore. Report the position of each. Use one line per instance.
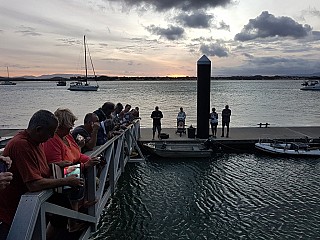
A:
(187, 78)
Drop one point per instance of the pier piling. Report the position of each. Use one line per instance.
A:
(203, 96)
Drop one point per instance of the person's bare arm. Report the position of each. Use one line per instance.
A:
(47, 183)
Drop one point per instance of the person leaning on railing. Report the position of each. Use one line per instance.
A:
(63, 150)
(86, 135)
(29, 167)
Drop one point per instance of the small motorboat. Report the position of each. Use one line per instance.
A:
(179, 150)
(62, 83)
(299, 149)
(311, 85)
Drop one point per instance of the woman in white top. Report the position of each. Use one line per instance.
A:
(181, 116)
(214, 122)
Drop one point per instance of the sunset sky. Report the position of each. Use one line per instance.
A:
(160, 37)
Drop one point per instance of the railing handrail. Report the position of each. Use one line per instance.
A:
(116, 152)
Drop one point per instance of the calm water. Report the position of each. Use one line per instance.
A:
(280, 103)
(230, 196)
(227, 197)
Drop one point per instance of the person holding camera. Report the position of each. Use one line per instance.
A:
(5, 176)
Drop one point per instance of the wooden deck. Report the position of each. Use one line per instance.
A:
(243, 133)
(236, 134)
(240, 138)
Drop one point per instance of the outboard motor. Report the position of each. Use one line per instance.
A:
(209, 143)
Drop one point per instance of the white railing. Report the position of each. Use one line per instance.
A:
(30, 218)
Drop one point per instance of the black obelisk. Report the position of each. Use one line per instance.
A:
(203, 96)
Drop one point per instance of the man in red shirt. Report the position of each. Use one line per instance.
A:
(29, 167)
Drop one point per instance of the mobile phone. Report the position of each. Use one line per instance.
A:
(72, 170)
(3, 167)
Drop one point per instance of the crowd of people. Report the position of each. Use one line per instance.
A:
(157, 115)
(49, 139)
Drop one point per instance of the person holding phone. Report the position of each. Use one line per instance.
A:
(63, 150)
(5, 176)
(30, 170)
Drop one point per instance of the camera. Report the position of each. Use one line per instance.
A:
(3, 167)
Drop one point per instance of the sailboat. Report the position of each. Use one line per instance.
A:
(83, 85)
(7, 81)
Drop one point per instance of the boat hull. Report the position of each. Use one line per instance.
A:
(179, 150)
(283, 151)
(83, 88)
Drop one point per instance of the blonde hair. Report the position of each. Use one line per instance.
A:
(65, 117)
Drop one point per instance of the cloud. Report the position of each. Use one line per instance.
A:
(223, 26)
(170, 33)
(195, 20)
(312, 12)
(214, 49)
(164, 5)
(248, 55)
(267, 25)
(28, 31)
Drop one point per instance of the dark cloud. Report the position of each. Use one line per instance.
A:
(214, 49)
(28, 31)
(267, 25)
(164, 5)
(316, 35)
(170, 33)
(195, 20)
(223, 26)
(248, 55)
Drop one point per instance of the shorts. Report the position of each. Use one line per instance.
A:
(156, 128)
(225, 124)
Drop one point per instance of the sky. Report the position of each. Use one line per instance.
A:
(160, 37)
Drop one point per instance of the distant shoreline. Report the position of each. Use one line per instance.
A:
(106, 78)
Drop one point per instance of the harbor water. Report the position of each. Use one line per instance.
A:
(229, 196)
(236, 196)
(279, 103)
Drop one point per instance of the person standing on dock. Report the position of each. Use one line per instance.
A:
(226, 114)
(181, 117)
(156, 115)
(213, 122)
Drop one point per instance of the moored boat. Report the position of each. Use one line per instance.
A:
(7, 81)
(83, 85)
(299, 149)
(311, 85)
(62, 83)
(179, 150)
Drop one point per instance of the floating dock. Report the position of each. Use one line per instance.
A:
(240, 138)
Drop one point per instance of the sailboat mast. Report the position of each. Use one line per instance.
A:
(8, 72)
(85, 58)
